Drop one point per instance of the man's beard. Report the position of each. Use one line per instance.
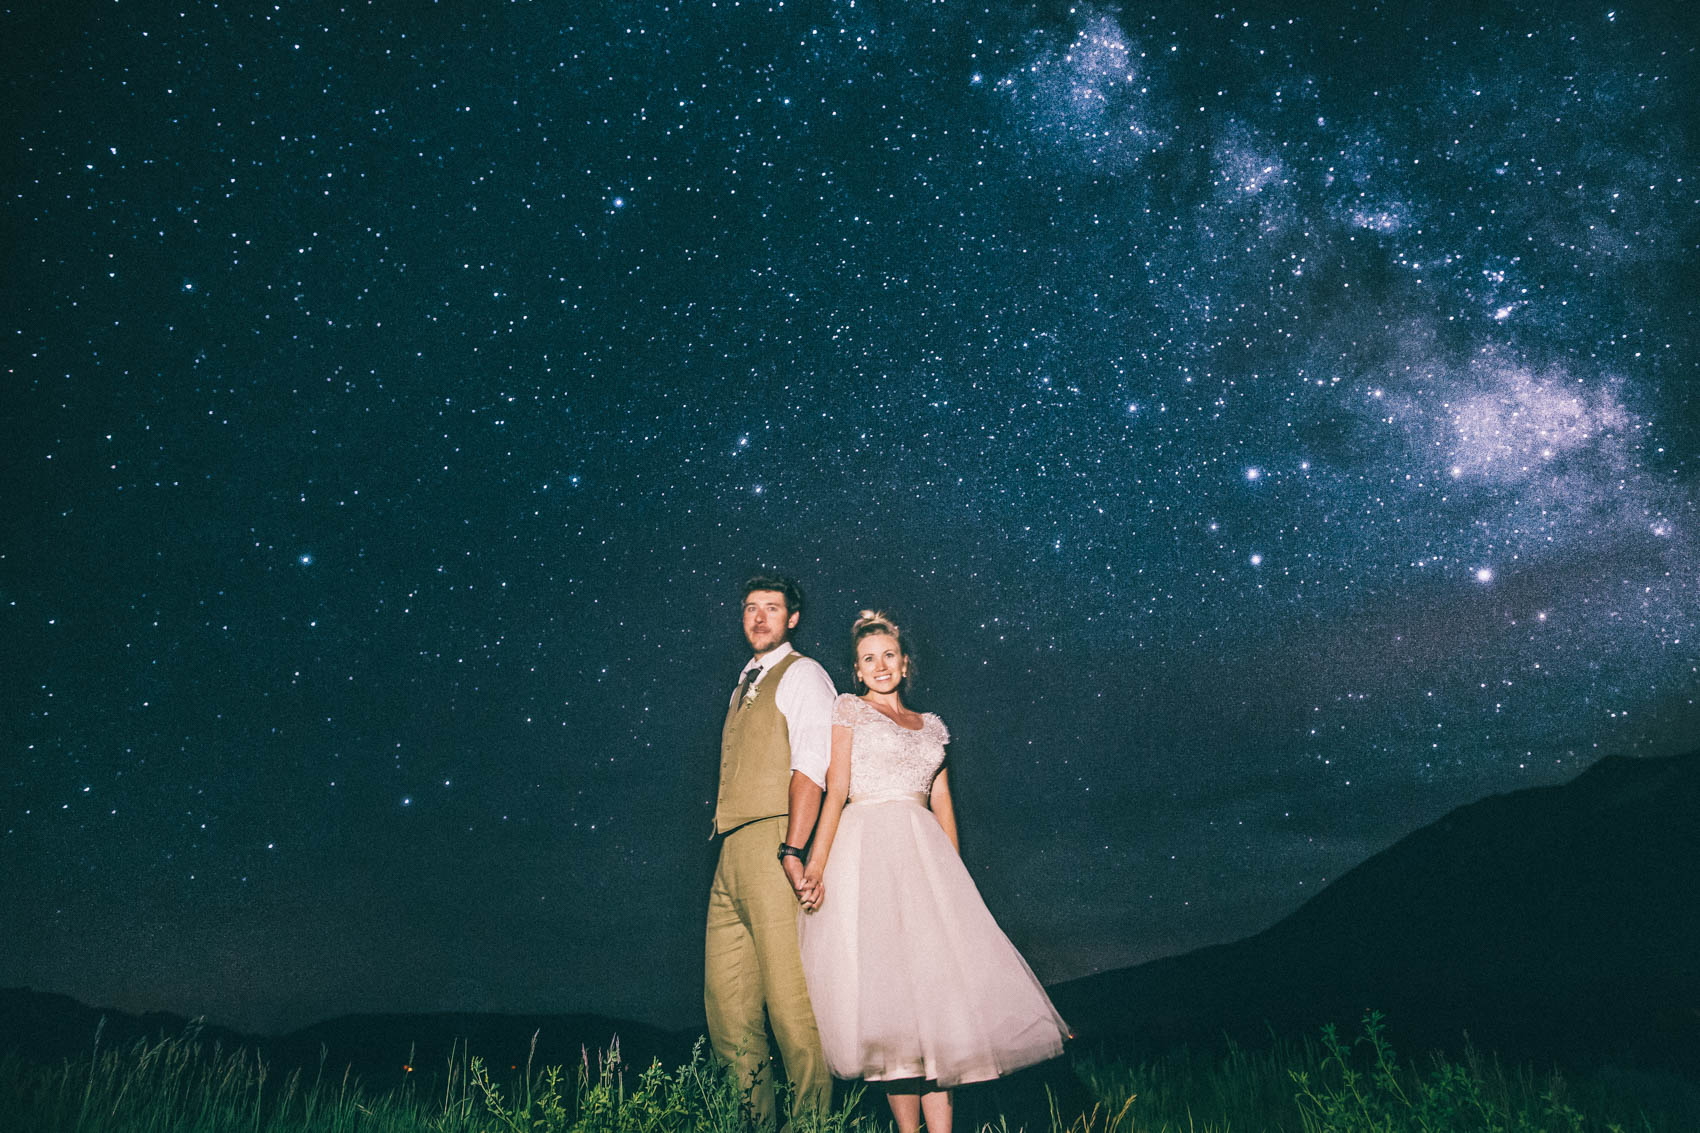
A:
(772, 639)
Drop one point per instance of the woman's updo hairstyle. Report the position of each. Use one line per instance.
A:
(869, 623)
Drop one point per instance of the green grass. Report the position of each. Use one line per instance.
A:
(1322, 1085)
(1327, 1085)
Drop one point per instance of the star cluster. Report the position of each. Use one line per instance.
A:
(1277, 430)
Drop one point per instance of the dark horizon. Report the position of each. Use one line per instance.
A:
(1570, 948)
(1277, 431)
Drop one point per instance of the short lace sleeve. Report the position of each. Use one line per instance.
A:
(845, 710)
(936, 726)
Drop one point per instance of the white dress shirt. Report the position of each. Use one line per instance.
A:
(805, 698)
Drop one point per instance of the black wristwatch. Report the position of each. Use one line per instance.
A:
(786, 850)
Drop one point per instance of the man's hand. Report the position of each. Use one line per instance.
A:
(794, 874)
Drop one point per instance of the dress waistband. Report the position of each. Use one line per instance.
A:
(889, 796)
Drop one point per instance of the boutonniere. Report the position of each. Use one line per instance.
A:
(748, 687)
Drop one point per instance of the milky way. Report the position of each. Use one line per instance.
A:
(1276, 430)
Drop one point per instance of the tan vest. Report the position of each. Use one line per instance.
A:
(755, 756)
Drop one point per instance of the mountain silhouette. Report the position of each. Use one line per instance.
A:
(47, 1027)
(1554, 923)
(381, 1050)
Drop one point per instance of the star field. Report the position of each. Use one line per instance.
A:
(1276, 429)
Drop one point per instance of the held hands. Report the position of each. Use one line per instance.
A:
(805, 882)
(812, 892)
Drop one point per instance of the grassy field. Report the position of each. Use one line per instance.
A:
(1322, 1085)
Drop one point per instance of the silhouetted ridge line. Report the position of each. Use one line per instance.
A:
(46, 1027)
(1554, 922)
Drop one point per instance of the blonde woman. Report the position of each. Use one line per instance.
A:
(914, 985)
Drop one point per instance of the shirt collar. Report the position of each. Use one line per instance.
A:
(767, 660)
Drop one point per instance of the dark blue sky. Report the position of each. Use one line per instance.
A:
(1277, 429)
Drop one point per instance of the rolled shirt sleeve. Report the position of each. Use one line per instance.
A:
(805, 699)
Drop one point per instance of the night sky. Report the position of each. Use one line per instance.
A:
(1276, 430)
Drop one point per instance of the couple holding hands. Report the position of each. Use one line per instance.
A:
(866, 944)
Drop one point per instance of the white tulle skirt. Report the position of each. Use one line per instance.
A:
(909, 975)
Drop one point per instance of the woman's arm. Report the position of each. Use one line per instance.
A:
(939, 800)
(813, 891)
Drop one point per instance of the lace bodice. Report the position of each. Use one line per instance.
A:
(886, 758)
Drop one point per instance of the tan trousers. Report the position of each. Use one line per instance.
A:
(752, 963)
